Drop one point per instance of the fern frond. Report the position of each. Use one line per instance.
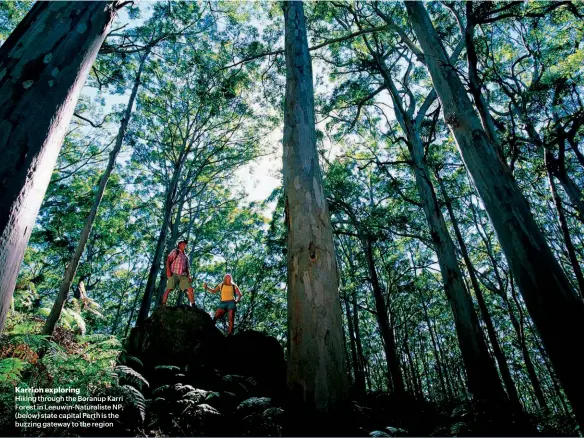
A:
(167, 368)
(136, 398)
(131, 375)
(162, 389)
(134, 359)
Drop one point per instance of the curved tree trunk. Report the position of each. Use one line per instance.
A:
(43, 68)
(474, 82)
(554, 306)
(71, 269)
(317, 377)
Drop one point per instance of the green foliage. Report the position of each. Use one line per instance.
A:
(11, 369)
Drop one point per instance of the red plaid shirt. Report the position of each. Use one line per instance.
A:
(180, 262)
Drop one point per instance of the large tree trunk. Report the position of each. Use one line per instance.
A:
(76, 257)
(554, 306)
(317, 377)
(573, 192)
(483, 380)
(497, 350)
(43, 67)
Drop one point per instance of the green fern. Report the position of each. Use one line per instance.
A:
(162, 389)
(11, 369)
(134, 359)
(34, 341)
(132, 376)
(167, 368)
(136, 399)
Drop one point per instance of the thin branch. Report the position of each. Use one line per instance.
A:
(318, 46)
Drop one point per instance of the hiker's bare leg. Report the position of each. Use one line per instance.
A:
(165, 296)
(218, 314)
(191, 295)
(231, 319)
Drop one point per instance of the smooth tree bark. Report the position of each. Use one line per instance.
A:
(73, 264)
(491, 332)
(317, 377)
(554, 306)
(474, 82)
(43, 68)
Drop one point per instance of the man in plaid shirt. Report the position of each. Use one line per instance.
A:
(177, 273)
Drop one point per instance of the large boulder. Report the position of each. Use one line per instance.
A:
(175, 336)
(181, 345)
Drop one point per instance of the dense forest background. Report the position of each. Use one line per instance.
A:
(185, 98)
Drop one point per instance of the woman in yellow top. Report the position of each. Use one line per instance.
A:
(228, 290)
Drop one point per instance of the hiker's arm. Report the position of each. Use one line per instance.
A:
(238, 292)
(209, 289)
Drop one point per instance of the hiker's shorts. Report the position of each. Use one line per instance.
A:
(181, 280)
(227, 305)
